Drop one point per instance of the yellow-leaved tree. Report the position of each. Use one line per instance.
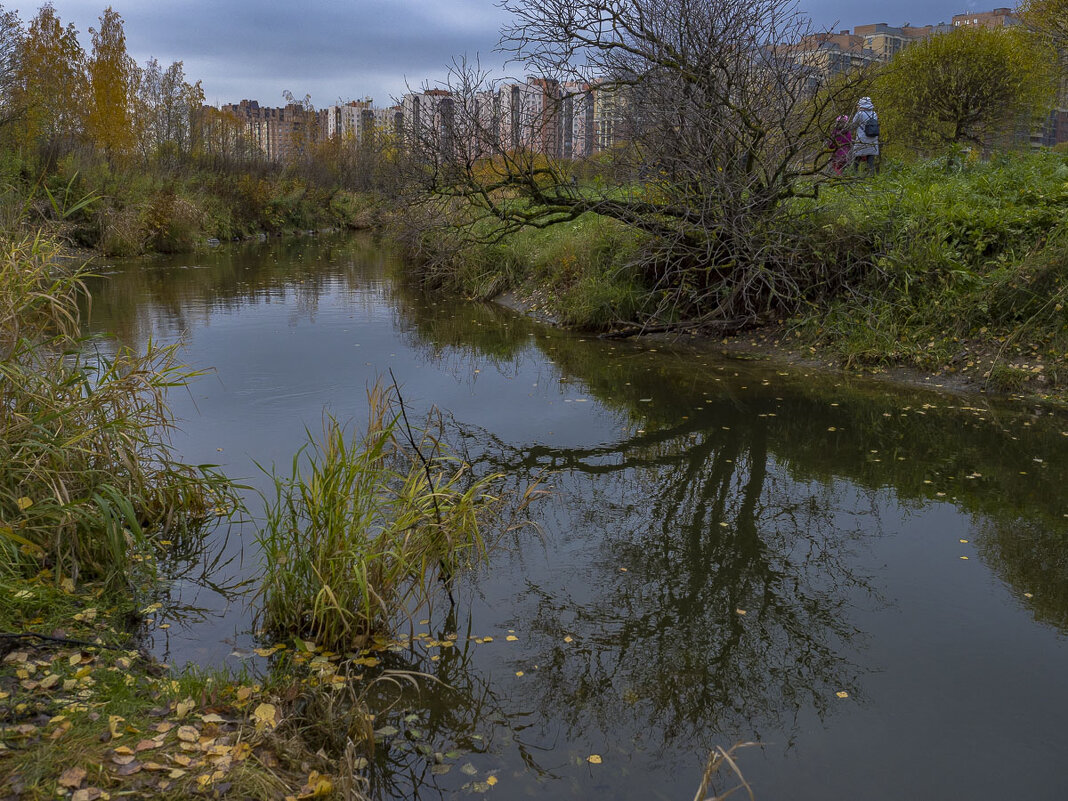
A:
(112, 75)
(974, 86)
(50, 87)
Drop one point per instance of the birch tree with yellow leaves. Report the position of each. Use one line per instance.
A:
(50, 86)
(112, 75)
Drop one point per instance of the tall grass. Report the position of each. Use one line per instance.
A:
(87, 478)
(364, 524)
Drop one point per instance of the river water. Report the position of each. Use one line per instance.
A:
(870, 582)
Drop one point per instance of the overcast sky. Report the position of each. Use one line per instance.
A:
(349, 49)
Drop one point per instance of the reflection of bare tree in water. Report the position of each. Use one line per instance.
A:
(732, 613)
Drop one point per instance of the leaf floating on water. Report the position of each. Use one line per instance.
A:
(594, 759)
(842, 694)
(519, 673)
(568, 638)
(964, 541)
(740, 611)
(964, 557)
(511, 638)
(1029, 595)
(469, 769)
(491, 780)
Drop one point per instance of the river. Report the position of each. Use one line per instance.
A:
(869, 581)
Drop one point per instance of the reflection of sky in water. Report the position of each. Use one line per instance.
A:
(687, 489)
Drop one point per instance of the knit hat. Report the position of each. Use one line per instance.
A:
(865, 104)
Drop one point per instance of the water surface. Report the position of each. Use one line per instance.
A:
(729, 548)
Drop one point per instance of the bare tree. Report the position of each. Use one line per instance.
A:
(705, 124)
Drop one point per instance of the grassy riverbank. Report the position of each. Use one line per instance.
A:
(953, 267)
(126, 211)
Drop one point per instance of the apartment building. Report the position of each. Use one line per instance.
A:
(428, 118)
(577, 131)
(998, 18)
(360, 122)
(830, 54)
(885, 41)
(279, 133)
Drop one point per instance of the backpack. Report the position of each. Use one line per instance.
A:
(871, 127)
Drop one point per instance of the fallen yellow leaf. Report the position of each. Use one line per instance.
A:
(188, 734)
(265, 715)
(594, 759)
(491, 780)
(842, 694)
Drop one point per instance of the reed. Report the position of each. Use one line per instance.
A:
(87, 477)
(365, 524)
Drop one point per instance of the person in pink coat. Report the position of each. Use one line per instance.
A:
(840, 141)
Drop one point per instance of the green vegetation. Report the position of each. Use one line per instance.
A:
(969, 87)
(89, 487)
(359, 536)
(585, 267)
(971, 271)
